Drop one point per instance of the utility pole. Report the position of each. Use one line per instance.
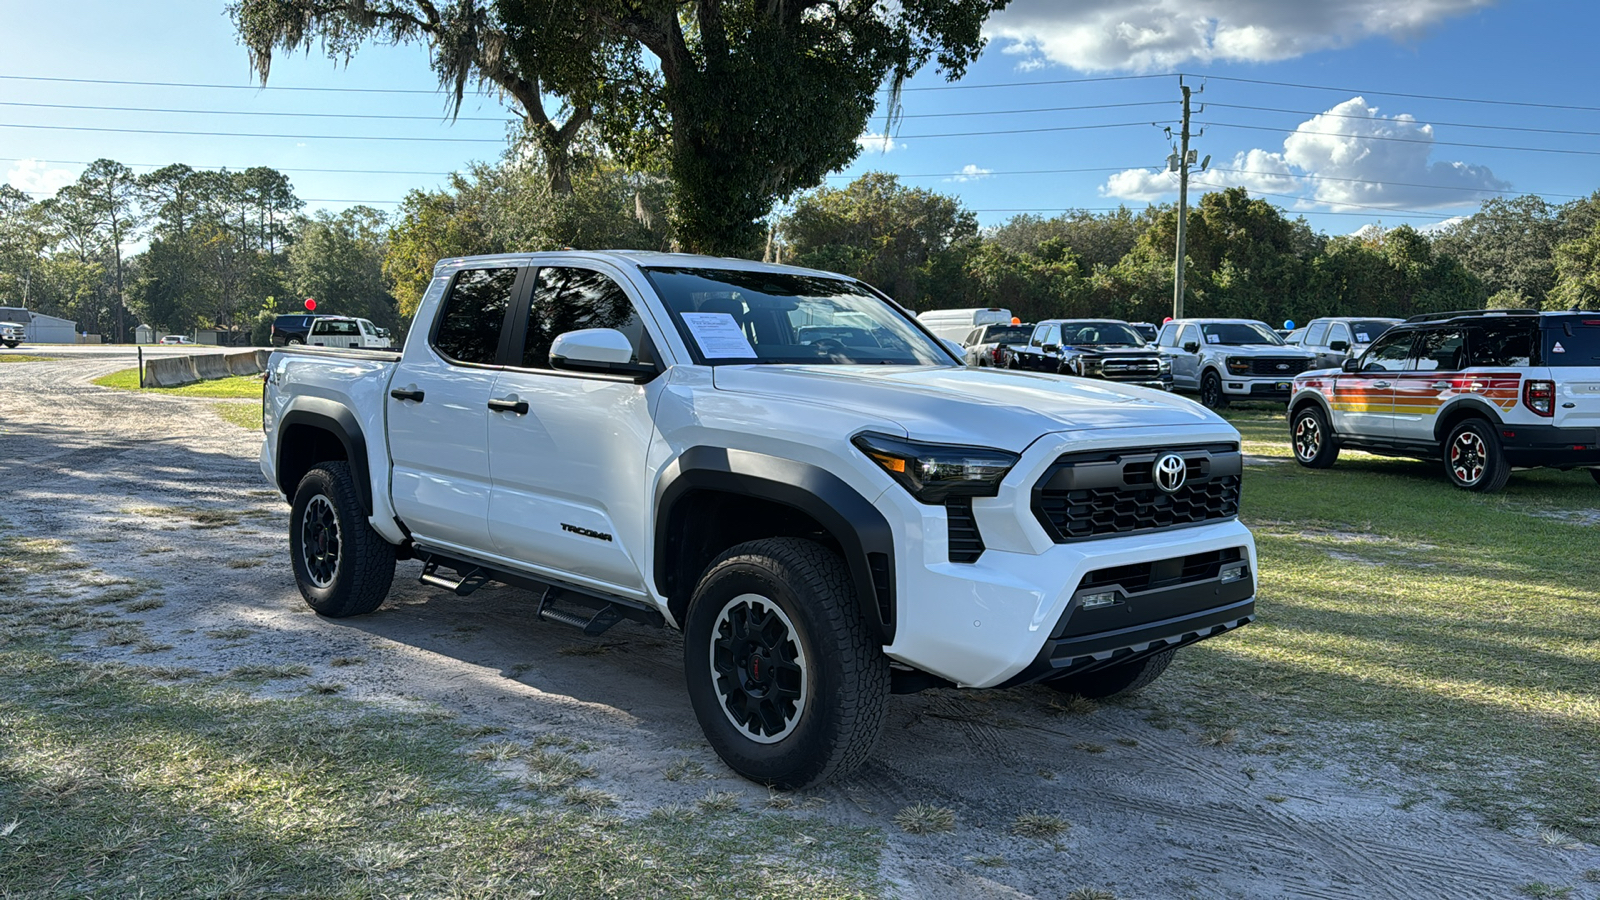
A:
(1180, 161)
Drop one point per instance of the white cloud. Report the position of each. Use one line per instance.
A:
(1147, 185)
(1349, 158)
(1103, 35)
(36, 177)
(971, 172)
(879, 143)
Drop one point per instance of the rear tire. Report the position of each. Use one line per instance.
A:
(1473, 460)
(342, 567)
(1115, 681)
(1312, 439)
(787, 682)
(1211, 393)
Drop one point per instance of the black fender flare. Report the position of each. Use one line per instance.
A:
(336, 419)
(1311, 398)
(1452, 412)
(861, 531)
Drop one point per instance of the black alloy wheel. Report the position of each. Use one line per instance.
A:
(1211, 393)
(342, 567)
(760, 668)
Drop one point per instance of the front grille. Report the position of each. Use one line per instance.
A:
(1137, 369)
(966, 544)
(1274, 366)
(1165, 573)
(1100, 494)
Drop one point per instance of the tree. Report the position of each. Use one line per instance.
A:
(908, 242)
(338, 259)
(467, 43)
(751, 100)
(1510, 245)
(1577, 264)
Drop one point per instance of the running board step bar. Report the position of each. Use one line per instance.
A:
(595, 624)
(464, 584)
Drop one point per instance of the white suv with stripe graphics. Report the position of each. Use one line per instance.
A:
(1484, 391)
(784, 464)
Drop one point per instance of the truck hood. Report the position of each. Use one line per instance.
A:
(1260, 350)
(997, 408)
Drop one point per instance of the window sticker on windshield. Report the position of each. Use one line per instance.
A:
(1213, 338)
(1558, 348)
(719, 336)
(1361, 336)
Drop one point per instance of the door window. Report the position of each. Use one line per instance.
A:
(1314, 336)
(1339, 332)
(1038, 335)
(1191, 335)
(1440, 350)
(1169, 336)
(1389, 354)
(572, 299)
(474, 315)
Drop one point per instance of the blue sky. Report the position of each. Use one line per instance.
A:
(1075, 67)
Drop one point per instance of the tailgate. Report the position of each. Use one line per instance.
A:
(1572, 351)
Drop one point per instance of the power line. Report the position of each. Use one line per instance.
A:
(1376, 137)
(80, 162)
(229, 87)
(305, 199)
(1334, 115)
(245, 112)
(1438, 187)
(1322, 87)
(1042, 109)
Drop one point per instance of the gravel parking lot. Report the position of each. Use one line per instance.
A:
(162, 492)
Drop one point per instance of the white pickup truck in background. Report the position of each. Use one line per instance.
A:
(783, 464)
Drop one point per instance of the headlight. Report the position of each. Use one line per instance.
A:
(933, 472)
(1165, 364)
(1238, 366)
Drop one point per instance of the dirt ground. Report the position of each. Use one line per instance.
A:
(163, 491)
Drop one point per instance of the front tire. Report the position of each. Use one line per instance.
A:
(1473, 460)
(11, 344)
(342, 567)
(788, 684)
(1313, 442)
(1114, 681)
(1211, 393)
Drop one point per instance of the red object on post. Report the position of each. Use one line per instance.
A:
(311, 304)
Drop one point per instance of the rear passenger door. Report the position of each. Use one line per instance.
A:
(1438, 356)
(438, 411)
(568, 491)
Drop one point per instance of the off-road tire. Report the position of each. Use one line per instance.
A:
(363, 565)
(1473, 460)
(1311, 438)
(1211, 393)
(845, 675)
(1115, 681)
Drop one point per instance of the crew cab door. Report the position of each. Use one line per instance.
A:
(438, 410)
(570, 487)
(1186, 363)
(1363, 401)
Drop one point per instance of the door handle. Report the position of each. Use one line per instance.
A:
(520, 407)
(402, 394)
(1380, 384)
(1440, 385)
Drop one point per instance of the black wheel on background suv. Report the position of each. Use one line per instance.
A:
(342, 567)
(1116, 680)
(1313, 442)
(1211, 394)
(785, 679)
(1473, 459)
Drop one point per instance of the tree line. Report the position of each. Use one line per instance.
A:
(231, 249)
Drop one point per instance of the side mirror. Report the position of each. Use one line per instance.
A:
(1050, 348)
(593, 350)
(1340, 346)
(1351, 365)
(1191, 347)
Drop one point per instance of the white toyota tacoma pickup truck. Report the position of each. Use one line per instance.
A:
(783, 464)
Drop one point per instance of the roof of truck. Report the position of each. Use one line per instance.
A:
(634, 259)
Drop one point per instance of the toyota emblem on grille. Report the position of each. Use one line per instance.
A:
(1169, 472)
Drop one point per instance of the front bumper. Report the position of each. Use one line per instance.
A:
(1549, 445)
(985, 623)
(1258, 389)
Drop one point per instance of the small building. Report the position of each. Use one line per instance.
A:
(42, 329)
(144, 334)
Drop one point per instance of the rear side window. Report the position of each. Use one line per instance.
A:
(1580, 347)
(474, 315)
(1317, 334)
(1440, 350)
(572, 299)
(1500, 344)
(1168, 337)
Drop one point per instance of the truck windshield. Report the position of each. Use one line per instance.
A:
(1236, 333)
(736, 317)
(1099, 334)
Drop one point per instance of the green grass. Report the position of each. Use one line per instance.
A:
(21, 358)
(232, 388)
(244, 415)
(1448, 633)
(114, 780)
